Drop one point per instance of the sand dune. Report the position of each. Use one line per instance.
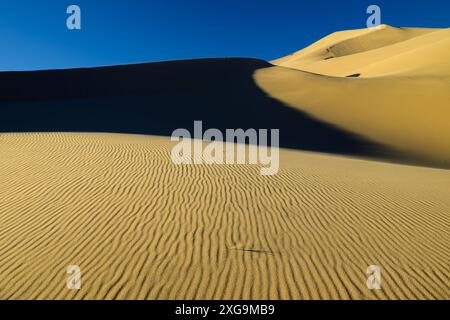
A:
(86, 176)
(375, 52)
(400, 98)
(141, 227)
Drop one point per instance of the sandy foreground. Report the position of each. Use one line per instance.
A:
(141, 227)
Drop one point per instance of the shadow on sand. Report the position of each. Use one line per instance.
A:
(157, 98)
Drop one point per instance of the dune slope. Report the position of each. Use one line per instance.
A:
(398, 95)
(141, 227)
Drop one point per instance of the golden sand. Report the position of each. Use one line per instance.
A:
(141, 227)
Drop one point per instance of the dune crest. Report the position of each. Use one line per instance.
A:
(105, 195)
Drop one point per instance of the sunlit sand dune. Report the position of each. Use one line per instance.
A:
(375, 52)
(398, 94)
(141, 227)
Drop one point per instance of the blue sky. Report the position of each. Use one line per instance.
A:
(34, 33)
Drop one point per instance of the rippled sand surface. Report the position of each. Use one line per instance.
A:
(141, 227)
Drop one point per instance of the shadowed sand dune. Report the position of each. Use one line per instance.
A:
(141, 227)
(157, 98)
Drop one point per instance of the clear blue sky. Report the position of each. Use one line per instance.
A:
(34, 34)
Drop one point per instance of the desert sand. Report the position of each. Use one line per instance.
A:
(86, 176)
(141, 227)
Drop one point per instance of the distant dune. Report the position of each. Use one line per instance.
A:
(86, 176)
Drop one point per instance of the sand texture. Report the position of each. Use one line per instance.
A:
(141, 227)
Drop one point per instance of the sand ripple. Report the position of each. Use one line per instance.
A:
(141, 227)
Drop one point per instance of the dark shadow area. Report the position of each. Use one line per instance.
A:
(157, 98)
(356, 75)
